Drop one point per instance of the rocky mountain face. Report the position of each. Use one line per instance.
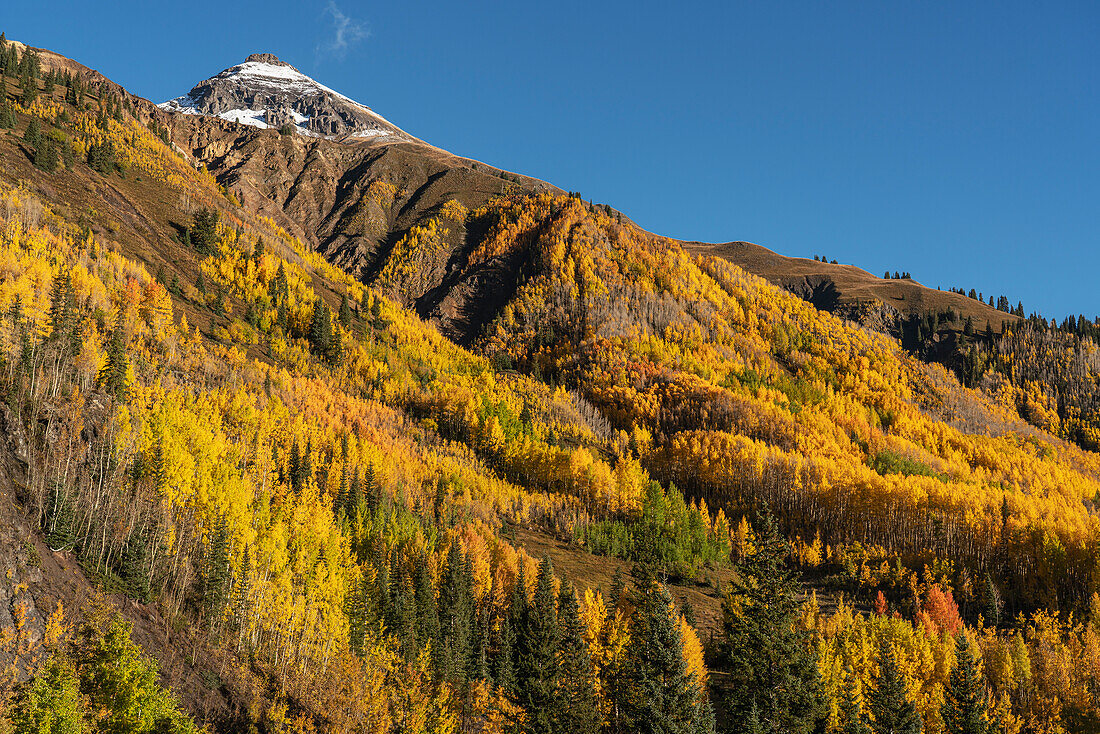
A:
(266, 92)
(353, 199)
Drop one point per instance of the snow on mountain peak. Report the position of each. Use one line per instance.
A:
(264, 91)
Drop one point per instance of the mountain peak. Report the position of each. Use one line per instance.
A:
(267, 59)
(265, 91)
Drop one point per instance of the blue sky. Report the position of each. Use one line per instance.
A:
(957, 140)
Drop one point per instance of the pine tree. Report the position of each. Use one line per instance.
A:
(355, 496)
(62, 306)
(662, 696)
(965, 700)
(307, 461)
(295, 468)
(7, 113)
(102, 157)
(28, 89)
(482, 638)
(46, 155)
(355, 609)
(215, 576)
(279, 288)
(427, 614)
(456, 616)
(32, 136)
(503, 663)
(538, 671)
(891, 710)
(115, 375)
(204, 230)
(617, 588)
(852, 718)
(752, 721)
(340, 502)
(402, 619)
(345, 312)
(242, 589)
(320, 330)
(770, 657)
(575, 710)
(134, 571)
(60, 519)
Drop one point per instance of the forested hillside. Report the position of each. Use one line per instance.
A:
(287, 468)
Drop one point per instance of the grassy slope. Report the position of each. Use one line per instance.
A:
(853, 285)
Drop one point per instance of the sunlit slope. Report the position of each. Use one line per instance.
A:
(282, 476)
(741, 392)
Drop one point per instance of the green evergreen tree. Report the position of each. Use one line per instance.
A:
(482, 638)
(46, 155)
(503, 666)
(282, 318)
(852, 718)
(617, 588)
(340, 502)
(28, 89)
(771, 659)
(219, 306)
(355, 608)
(537, 659)
(320, 330)
(242, 588)
(215, 577)
(427, 613)
(355, 496)
(204, 230)
(965, 700)
(62, 306)
(295, 468)
(115, 375)
(892, 712)
(574, 709)
(7, 113)
(32, 136)
(279, 288)
(345, 312)
(307, 462)
(370, 489)
(402, 619)
(752, 721)
(102, 157)
(456, 616)
(60, 519)
(134, 568)
(662, 697)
